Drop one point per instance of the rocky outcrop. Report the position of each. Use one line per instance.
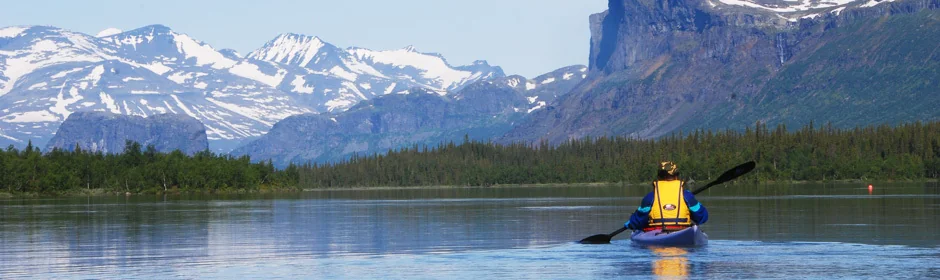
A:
(666, 65)
(108, 133)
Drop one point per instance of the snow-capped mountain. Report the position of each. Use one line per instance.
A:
(46, 73)
(334, 79)
(794, 10)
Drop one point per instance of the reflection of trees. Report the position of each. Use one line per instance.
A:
(841, 212)
(105, 231)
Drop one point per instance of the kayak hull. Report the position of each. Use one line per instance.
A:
(690, 237)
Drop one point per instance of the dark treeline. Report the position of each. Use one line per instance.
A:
(905, 152)
(135, 170)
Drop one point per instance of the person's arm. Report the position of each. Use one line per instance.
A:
(641, 217)
(696, 209)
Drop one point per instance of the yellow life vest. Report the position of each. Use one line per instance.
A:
(669, 208)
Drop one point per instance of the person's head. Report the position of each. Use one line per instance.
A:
(668, 171)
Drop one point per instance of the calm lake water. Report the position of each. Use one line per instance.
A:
(768, 231)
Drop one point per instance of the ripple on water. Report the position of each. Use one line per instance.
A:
(720, 259)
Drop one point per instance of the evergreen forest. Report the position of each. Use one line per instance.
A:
(903, 152)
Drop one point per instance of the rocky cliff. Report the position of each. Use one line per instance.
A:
(666, 65)
(107, 132)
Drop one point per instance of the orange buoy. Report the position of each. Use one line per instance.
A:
(870, 188)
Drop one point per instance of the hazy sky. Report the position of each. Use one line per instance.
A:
(527, 37)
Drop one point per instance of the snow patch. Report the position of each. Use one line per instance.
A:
(109, 103)
(8, 137)
(108, 32)
(338, 103)
(342, 73)
(38, 86)
(567, 76)
(95, 74)
(873, 3)
(801, 5)
(182, 77)
(548, 81)
(431, 67)
(513, 82)
(300, 85)
(539, 106)
(30, 117)
(246, 112)
(182, 106)
(157, 68)
(64, 73)
(11, 32)
(252, 71)
(203, 53)
(61, 103)
(144, 92)
(810, 16)
(530, 85)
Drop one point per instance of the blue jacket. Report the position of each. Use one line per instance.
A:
(641, 217)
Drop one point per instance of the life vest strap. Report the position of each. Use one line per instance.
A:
(670, 220)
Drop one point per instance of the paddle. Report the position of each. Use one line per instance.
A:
(729, 175)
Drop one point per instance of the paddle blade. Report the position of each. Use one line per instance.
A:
(729, 175)
(736, 172)
(596, 239)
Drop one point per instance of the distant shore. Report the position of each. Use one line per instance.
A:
(268, 190)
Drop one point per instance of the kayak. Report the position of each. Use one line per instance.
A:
(690, 237)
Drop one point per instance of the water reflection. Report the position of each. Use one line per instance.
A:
(670, 263)
(48, 238)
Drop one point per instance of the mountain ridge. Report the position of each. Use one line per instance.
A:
(47, 72)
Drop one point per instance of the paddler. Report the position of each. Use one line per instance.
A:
(669, 206)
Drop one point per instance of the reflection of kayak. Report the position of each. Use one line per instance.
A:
(689, 237)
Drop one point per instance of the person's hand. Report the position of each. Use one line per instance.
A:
(629, 226)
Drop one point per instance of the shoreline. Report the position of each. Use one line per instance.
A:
(270, 190)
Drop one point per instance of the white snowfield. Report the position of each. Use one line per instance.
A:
(793, 10)
(290, 49)
(47, 73)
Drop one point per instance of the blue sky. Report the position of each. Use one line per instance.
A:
(524, 37)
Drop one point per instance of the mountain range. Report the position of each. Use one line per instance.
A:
(483, 110)
(655, 67)
(46, 73)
